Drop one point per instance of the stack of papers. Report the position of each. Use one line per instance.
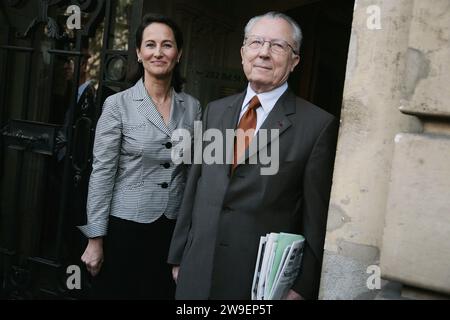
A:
(277, 265)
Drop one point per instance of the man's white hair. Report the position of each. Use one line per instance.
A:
(296, 31)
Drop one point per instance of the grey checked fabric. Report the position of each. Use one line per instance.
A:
(133, 176)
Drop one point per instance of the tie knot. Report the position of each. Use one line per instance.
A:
(254, 103)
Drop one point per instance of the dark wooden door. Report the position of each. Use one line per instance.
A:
(53, 81)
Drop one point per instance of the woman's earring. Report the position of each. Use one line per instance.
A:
(139, 60)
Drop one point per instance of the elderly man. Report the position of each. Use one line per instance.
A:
(226, 208)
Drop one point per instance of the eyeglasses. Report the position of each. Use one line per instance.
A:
(277, 46)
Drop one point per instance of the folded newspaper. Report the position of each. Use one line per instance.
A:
(277, 265)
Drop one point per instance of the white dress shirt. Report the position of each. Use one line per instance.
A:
(267, 100)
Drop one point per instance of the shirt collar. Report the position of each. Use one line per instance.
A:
(267, 99)
(82, 87)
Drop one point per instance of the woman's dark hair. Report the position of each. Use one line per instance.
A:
(177, 80)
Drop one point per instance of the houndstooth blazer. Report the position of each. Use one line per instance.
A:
(133, 176)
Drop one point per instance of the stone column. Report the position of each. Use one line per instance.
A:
(370, 120)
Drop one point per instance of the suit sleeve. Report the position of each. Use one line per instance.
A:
(317, 184)
(108, 137)
(183, 225)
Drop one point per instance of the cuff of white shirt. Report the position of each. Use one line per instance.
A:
(95, 229)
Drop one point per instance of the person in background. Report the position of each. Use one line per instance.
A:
(135, 189)
(85, 99)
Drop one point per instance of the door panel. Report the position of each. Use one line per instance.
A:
(48, 113)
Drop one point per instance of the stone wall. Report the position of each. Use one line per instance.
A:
(391, 185)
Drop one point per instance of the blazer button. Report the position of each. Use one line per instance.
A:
(164, 185)
(168, 145)
(166, 165)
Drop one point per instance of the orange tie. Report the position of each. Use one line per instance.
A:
(247, 122)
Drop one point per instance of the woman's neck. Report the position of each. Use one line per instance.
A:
(158, 89)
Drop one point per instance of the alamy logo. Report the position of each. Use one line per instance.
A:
(74, 20)
(374, 280)
(374, 20)
(263, 149)
(74, 277)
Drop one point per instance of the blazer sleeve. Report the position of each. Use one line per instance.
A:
(106, 154)
(316, 184)
(183, 225)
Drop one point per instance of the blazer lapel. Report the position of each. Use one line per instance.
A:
(146, 107)
(277, 119)
(176, 111)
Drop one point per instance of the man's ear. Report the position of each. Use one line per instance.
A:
(242, 54)
(295, 62)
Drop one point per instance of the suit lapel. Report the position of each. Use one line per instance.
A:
(230, 121)
(146, 107)
(277, 119)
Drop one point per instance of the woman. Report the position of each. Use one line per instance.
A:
(135, 189)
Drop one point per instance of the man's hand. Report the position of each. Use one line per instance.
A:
(93, 256)
(292, 295)
(175, 270)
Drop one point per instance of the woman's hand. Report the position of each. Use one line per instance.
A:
(93, 256)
